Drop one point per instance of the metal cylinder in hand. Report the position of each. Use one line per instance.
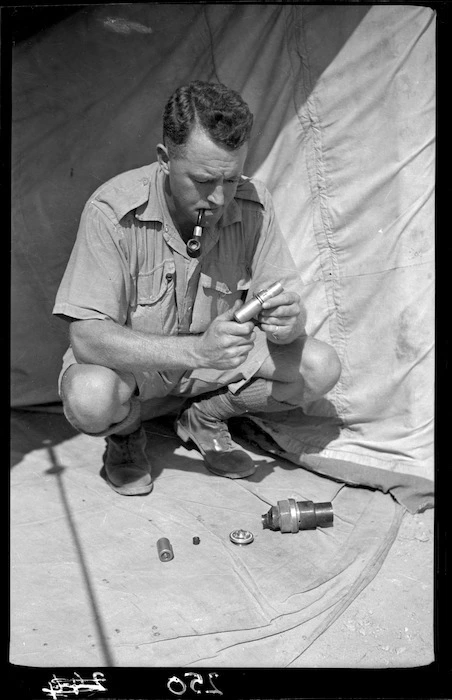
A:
(252, 307)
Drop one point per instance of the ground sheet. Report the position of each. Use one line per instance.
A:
(106, 599)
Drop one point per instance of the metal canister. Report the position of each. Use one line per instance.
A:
(165, 549)
(252, 307)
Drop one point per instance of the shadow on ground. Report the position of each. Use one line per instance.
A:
(34, 430)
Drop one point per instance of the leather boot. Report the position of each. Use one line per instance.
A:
(204, 422)
(126, 467)
(222, 455)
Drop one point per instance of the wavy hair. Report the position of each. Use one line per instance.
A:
(217, 109)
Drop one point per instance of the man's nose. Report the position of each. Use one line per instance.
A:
(216, 197)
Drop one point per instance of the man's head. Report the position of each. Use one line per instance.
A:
(206, 128)
(213, 107)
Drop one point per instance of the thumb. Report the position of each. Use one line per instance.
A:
(229, 314)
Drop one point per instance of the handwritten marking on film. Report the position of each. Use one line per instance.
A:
(63, 687)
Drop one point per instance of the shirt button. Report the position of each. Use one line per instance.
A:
(145, 181)
(169, 276)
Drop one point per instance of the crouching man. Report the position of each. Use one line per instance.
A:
(151, 324)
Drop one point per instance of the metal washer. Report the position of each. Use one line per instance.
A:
(241, 537)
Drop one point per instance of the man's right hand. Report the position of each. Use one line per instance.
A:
(226, 344)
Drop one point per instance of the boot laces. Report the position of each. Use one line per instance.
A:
(126, 445)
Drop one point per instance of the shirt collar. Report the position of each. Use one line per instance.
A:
(231, 215)
(152, 210)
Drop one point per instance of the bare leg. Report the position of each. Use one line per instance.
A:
(100, 402)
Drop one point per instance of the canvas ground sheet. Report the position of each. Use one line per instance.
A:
(343, 98)
(88, 587)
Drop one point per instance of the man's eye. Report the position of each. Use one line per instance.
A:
(231, 181)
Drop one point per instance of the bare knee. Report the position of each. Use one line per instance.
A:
(320, 367)
(94, 397)
(303, 371)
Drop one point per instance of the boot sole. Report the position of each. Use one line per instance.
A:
(234, 475)
(127, 490)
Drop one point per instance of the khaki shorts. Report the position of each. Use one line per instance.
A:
(157, 387)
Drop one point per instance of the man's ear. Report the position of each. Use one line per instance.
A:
(163, 158)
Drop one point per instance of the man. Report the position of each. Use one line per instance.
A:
(151, 325)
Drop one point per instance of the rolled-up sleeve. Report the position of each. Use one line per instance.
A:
(96, 283)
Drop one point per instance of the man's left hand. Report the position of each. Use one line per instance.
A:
(280, 317)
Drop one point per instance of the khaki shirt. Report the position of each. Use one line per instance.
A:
(130, 265)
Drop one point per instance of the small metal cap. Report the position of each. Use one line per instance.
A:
(241, 537)
(164, 549)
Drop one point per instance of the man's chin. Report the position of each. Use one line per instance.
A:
(211, 217)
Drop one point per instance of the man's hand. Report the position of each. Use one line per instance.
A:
(226, 344)
(280, 317)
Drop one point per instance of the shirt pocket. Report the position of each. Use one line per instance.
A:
(154, 306)
(216, 294)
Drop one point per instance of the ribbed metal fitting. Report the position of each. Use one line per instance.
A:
(241, 537)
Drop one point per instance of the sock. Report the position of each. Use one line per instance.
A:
(254, 397)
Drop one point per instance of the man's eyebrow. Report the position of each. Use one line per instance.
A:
(212, 178)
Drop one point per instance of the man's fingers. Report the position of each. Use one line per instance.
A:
(239, 329)
(228, 325)
(280, 320)
(237, 341)
(289, 310)
(283, 299)
(275, 321)
(282, 312)
(235, 354)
